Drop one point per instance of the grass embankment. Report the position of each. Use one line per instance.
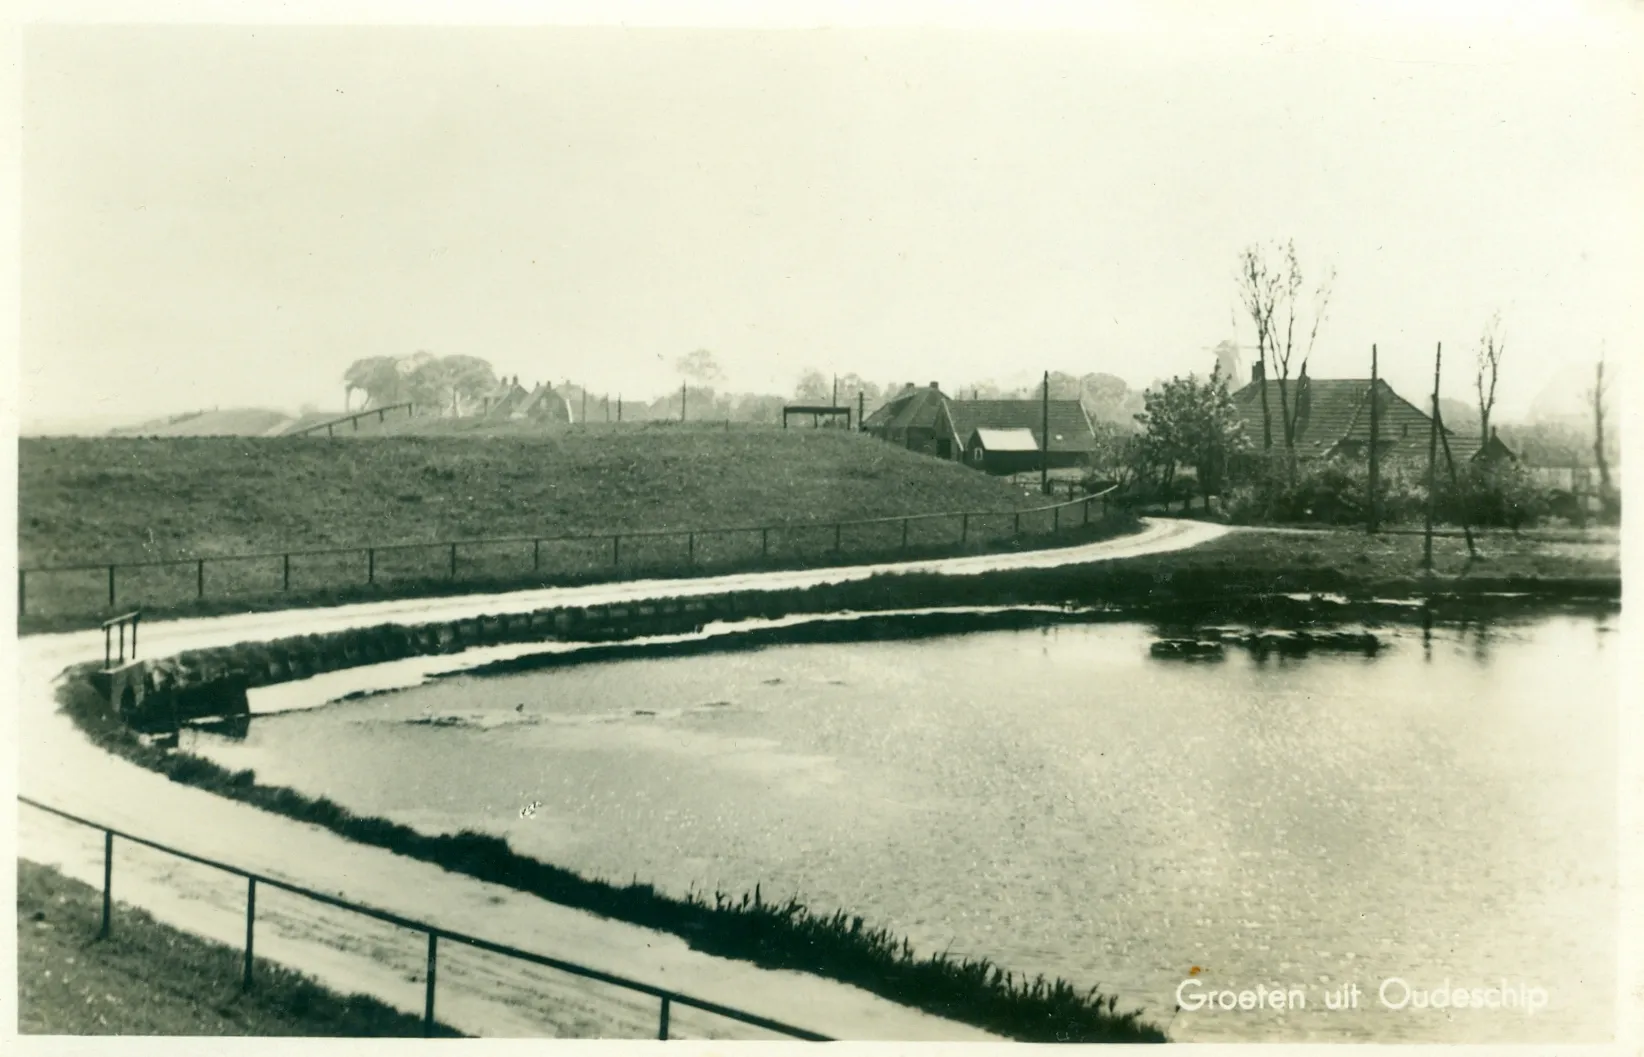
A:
(149, 979)
(786, 935)
(120, 501)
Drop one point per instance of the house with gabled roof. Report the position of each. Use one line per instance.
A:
(1333, 419)
(909, 420)
(988, 434)
(543, 402)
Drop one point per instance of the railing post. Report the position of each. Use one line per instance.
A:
(453, 561)
(122, 645)
(370, 565)
(536, 556)
(616, 550)
(111, 587)
(108, 881)
(428, 991)
(199, 579)
(662, 1025)
(250, 922)
(108, 648)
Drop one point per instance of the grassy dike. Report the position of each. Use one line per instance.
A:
(149, 979)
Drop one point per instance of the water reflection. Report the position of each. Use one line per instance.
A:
(1065, 803)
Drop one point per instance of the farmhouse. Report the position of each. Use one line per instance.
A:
(505, 398)
(543, 403)
(1333, 419)
(1000, 436)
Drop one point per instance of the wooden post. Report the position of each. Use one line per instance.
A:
(111, 586)
(370, 565)
(904, 533)
(199, 579)
(682, 401)
(108, 882)
(1044, 432)
(764, 543)
(616, 550)
(1375, 440)
(861, 407)
(836, 537)
(690, 548)
(619, 407)
(1016, 529)
(964, 527)
(285, 572)
(428, 989)
(1432, 462)
(662, 1026)
(330, 430)
(453, 561)
(1455, 483)
(584, 407)
(250, 923)
(536, 556)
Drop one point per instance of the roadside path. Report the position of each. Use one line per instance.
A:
(478, 994)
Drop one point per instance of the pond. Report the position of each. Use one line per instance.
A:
(1441, 815)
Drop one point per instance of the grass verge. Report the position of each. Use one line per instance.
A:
(776, 935)
(150, 979)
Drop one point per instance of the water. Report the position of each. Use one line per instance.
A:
(1061, 803)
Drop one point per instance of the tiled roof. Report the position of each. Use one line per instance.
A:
(1332, 410)
(909, 409)
(1070, 428)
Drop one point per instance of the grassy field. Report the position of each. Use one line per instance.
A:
(124, 501)
(150, 979)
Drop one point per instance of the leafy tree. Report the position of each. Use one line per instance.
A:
(701, 367)
(813, 388)
(378, 377)
(1192, 423)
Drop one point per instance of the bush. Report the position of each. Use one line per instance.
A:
(1335, 492)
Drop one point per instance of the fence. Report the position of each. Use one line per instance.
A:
(584, 555)
(354, 419)
(667, 998)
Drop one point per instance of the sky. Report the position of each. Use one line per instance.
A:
(229, 215)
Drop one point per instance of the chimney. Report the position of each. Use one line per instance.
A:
(1255, 372)
(933, 385)
(907, 387)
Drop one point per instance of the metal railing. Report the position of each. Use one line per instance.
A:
(667, 997)
(612, 540)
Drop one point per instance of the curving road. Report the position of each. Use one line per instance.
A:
(477, 994)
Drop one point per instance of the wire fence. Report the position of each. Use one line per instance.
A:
(666, 997)
(100, 587)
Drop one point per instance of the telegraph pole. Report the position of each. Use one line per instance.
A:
(1432, 462)
(1044, 431)
(1375, 439)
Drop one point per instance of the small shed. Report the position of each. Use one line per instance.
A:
(1002, 451)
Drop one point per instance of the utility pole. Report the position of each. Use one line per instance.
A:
(861, 404)
(1432, 462)
(1455, 485)
(1044, 431)
(835, 392)
(619, 407)
(1375, 440)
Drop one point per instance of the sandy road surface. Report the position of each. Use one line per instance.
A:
(477, 993)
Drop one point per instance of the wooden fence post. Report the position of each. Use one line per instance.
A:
(199, 579)
(285, 572)
(453, 561)
(370, 565)
(616, 550)
(904, 533)
(428, 990)
(964, 527)
(765, 543)
(108, 882)
(250, 923)
(662, 1025)
(111, 587)
(536, 556)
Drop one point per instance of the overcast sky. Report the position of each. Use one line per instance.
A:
(231, 215)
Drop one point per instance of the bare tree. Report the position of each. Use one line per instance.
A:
(1599, 391)
(1272, 294)
(1491, 345)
